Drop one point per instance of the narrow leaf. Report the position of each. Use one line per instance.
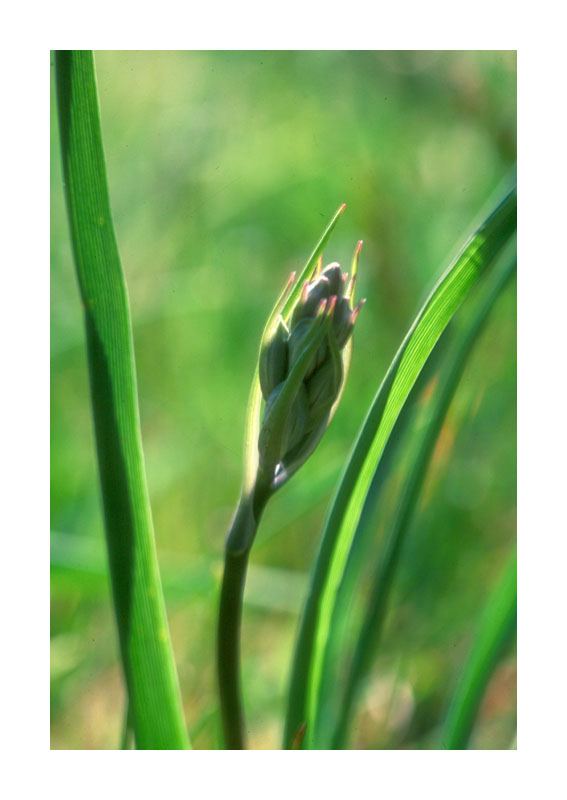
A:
(147, 657)
(443, 301)
(455, 361)
(496, 629)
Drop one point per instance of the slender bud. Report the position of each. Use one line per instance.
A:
(310, 299)
(322, 388)
(273, 359)
(334, 275)
(342, 325)
(307, 362)
(297, 343)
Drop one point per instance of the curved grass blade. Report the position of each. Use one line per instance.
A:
(443, 301)
(147, 656)
(496, 630)
(371, 628)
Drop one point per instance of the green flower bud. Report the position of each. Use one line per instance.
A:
(308, 303)
(294, 426)
(297, 343)
(322, 389)
(334, 275)
(302, 371)
(297, 420)
(273, 359)
(342, 323)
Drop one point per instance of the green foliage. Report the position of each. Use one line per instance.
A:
(496, 630)
(446, 380)
(149, 669)
(223, 166)
(306, 697)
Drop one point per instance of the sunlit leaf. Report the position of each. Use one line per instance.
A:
(436, 313)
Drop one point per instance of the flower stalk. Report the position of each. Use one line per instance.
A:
(302, 368)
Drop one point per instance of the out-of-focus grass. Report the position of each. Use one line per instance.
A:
(223, 167)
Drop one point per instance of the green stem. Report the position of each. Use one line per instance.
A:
(237, 551)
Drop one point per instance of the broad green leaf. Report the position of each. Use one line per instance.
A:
(439, 308)
(147, 656)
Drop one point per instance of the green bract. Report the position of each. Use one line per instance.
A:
(303, 369)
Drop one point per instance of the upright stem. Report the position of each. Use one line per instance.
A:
(238, 545)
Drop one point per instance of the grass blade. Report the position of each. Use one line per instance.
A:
(455, 362)
(496, 630)
(147, 657)
(442, 303)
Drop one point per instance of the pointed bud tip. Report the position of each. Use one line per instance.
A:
(321, 308)
(332, 304)
(342, 208)
(356, 311)
(358, 246)
(349, 293)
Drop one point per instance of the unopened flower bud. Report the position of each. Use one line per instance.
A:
(322, 388)
(342, 324)
(334, 275)
(297, 343)
(294, 425)
(274, 359)
(302, 370)
(308, 303)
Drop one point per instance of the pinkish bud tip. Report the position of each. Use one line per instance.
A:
(356, 311)
(332, 304)
(342, 208)
(304, 291)
(359, 247)
(321, 308)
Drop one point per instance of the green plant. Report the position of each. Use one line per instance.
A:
(147, 657)
(496, 629)
(306, 696)
(301, 373)
(302, 367)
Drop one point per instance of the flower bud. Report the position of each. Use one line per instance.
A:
(294, 425)
(334, 275)
(297, 343)
(302, 371)
(273, 359)
(322, 388)
(311, 296)
(342, 324)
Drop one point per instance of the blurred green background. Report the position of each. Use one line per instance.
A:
(224, 168)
